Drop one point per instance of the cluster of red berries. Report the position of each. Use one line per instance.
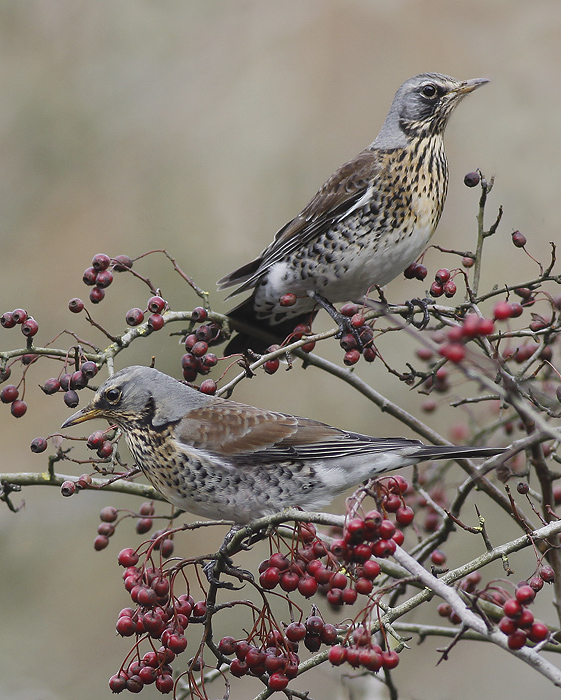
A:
(28, 325)
(99, 277)
(472, 326)
(157, 615)
(71, 383)
(357, 343)
(415, 271)
(518, 621)
(443, 284)
(362, 652)
(277, 655)
(10, 395)
(198, 360)
(155, 307)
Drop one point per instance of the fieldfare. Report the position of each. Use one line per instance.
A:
(221, 459)
(371, 219)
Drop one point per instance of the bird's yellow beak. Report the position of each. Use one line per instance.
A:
(84, 414)
(468, 86)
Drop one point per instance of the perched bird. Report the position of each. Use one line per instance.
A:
(222, 459)
(371, 219)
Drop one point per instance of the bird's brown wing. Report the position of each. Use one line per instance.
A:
(248, 433)
(336, 198)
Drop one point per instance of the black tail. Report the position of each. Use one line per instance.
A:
(256, 334)
(457, 452)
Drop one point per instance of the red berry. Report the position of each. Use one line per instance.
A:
(71, 398)
(512, 608)
(547, 574)
(101, 542)
(371, 569)
(89, 276)
(97, 294)
(9, 393)
(472, 179)
(208, 387)
(19, 316)
(30, 327)
(436, 289)
(100, 261)
(536, 582)
(155, 322)
(295, 632)
(337, 655)
(507, 625)
(270, 578)
(538, 632)
(363, 586)
(67, 488)
(442, 275)
(122, 263)
(278, 681)
(104, 279)
(78, 380)
(7, 320)
(519, 239)
(404, 515)
(125, 626)
(351, 357)
(338, 580)
(288, 299)
(455, 352)
(128, 557)
(199, 314)
(200, 348)
(517, 310)
(164, 683)
(501, 310)
(134, 317)
(409, 272)
(386, 529)
(485, 326)
(438, 558)
(156, 305)
(390, 659)
(449, 289)
(357, 321)
(238, 668)
(349, 309)
(307, 586)
(108, 514)
(516, 640)
(227, 646)
(117, 683)
(89, 369)
(525, 594)
(420, 272)
(271, 366)
(18, 408)
(38, 444)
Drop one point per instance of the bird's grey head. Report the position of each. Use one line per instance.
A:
(422, 106)
(140, 393)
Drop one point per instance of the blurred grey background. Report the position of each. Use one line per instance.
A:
(202, 127)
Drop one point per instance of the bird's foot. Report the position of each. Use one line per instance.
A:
(344, 322)
(418, 304)
(223, 564)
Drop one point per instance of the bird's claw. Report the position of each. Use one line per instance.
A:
(422, 305)
(215, 567)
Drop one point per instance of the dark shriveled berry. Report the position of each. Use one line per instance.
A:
(51, 386)
(76, 305)
(519, 239)
(38, 444)
(472, 179)
(134, 317)
(71, 398)
(122, 263)
(100, 262)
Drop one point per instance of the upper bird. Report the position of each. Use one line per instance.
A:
(222, 459)
(371, 219)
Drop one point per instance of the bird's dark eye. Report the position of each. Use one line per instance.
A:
(113, 395)
(429, 91)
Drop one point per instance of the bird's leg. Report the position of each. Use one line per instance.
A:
(343, 322)
(223, 564)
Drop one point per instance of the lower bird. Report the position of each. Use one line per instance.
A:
(221, 459)
(226, 460)
(371, 219)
